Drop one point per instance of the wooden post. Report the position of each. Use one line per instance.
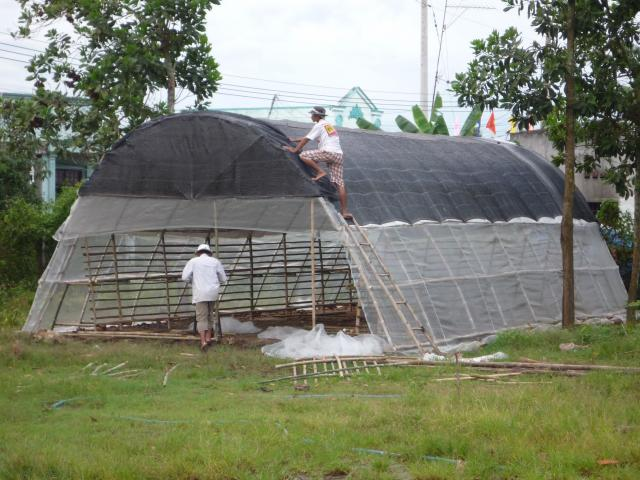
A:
(249, 239)
(322, 297)
(166, 279)
(92, 292)
(217, 240)
(286, 272)
(115, 270)
(313, 267)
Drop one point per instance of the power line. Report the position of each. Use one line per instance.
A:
(316, 85)
(378, 101)
(15, 53)
(14, 60)
(225, 92)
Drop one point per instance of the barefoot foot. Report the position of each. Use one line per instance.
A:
(319, 176)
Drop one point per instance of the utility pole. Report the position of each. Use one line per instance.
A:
(273, 102)
(424, 55)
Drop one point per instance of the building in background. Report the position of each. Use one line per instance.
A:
(592, 185)
(353, 105)
(59, 172)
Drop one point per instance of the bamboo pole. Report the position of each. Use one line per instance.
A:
(166, 273)
(322, 286)
(313, 267)
(286, 271)
(251, 273)
(115, 269)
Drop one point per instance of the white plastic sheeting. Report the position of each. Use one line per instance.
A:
(317, 343)
(100, 214)
(463, 280)
(232, 325)
(468, 280)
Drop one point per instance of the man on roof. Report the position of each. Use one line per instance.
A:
(328, 152)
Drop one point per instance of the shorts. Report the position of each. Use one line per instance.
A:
(332, 159)
(204, 316)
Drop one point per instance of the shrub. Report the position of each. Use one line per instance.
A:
(26, 230)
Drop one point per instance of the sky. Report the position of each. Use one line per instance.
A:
(306, 50)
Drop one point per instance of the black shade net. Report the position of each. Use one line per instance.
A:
(388, 176)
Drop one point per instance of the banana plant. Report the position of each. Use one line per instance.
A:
(469, 127)
(365, 124)
(435, 125)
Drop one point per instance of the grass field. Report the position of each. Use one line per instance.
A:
(212, 420)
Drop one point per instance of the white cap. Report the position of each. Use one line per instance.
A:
(203, 248)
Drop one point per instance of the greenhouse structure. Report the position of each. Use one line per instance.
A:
(459, 237)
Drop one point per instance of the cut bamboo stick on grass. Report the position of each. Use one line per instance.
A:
(131, 375)
(535, 366)
(167, 373)
(113, 369)
(366, 369)
(325, 360)
(468, 376)
(340, 369)
(98, 368)
(375, 364)
(333, 371)
(123, 372)
(88, 365)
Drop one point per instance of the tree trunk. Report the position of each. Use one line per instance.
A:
(635, 263)
(566, 235)
(171, 84)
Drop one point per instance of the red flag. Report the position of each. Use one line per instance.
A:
(491, 124)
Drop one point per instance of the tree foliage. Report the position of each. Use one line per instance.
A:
(119, 57)
(20, 149)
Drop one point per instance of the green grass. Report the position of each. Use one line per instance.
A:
(213, 421)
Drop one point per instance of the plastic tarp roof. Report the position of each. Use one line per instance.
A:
(389, 177)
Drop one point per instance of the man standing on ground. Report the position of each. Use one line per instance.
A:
(328, 151)
(205, 273)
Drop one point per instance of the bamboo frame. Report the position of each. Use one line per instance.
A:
(129, 283)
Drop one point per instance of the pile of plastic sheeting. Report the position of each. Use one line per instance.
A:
(279, 333)
(432, 357)
(231, 325)
(317, 343)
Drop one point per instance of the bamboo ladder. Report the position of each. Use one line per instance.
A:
(372, 261)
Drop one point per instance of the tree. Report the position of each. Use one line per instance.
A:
(20, 150)
(121, 55)
(554, 82)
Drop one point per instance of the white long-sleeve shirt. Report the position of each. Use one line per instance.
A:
(205, 274)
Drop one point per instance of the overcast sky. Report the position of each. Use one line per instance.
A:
(374, 44)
